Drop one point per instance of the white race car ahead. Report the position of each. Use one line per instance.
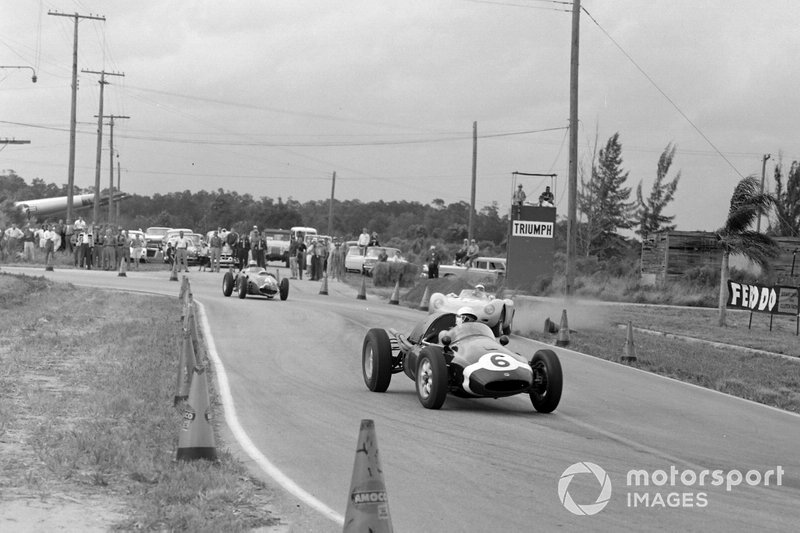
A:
(497, 313)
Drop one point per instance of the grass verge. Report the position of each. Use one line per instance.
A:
(87, 383)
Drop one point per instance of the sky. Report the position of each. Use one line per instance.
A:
(270, 98)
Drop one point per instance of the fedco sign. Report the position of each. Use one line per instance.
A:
(752, 297)
(524, 228)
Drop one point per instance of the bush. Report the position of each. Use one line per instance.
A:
(387, 273)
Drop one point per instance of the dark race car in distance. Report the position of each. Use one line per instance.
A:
(465, 360)
(255, 281)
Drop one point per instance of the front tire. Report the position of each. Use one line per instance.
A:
(431, 378)
(242, 287)
(376, 360)
(548, 380)
(283, 288)
(227, 284)
(497, 329)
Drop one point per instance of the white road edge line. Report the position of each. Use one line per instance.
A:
(241, 436)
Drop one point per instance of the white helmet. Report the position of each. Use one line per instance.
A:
(465, 314)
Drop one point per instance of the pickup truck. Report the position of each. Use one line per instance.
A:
(482, 267)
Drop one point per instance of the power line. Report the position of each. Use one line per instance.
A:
(654, 84)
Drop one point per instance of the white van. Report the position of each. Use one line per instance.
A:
(301, 232)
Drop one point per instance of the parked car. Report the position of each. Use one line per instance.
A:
(278, 241)
(482, 268)
(154, 240)
(193, 251)
(373, 253)
(354, 259)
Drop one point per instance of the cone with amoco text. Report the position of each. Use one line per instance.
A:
(367, 504)
(196, 439)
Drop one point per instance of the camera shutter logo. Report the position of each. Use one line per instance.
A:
(586, 509)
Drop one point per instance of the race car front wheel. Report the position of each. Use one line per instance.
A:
(547, 381)
(227, 284)
(376, 360)
(431, 378)
(284, 288)
(242, 287)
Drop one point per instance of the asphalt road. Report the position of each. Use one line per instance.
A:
(294, 373)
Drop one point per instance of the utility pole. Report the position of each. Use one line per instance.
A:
(330, 207)
(73, 113)
(97, 164)
(572, 181)
(474, 178)
(111, 164)
(763, 172)
(119, 188)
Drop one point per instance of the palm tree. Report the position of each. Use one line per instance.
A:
(735, 237)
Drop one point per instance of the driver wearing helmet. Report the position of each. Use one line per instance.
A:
(464, 315)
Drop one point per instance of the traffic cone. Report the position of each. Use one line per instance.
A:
(629, 350)
(123, 268)
(324, 288)
(550, 326)
(426, 299)
(563, 330)
(394, 299)
(185, 366)
(362, 293)
(196, 439)
(367, 506)
(173, 275)
(49, 266)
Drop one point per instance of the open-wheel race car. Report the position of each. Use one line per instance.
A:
(497, 313)
(254, 280)
(443, 355)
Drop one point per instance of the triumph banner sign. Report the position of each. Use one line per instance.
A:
(777, 300)
(527, 228)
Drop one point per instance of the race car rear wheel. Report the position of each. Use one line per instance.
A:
(283, 288)
(376, 360)
(227, 284)
(547, 381)
(431, 378)
(242, 288)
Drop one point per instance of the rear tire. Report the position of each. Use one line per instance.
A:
(376, 360)
(283, 288)
(548, 380)
(242, 288)
(227, 284)
(431, 380)
(497, 330)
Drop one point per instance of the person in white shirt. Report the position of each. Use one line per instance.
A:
(49, 238)
(181, 247)
(363, 241)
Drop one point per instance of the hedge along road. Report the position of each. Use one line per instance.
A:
(479, 465)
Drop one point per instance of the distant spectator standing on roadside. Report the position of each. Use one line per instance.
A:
(243, 250)
(293, 257)
(519, 196)
(433, 260)
(28, 239)
(109, 250)
(363, 241)
(373, 240)
(383, 256)
(214, 250)
(68, 241)
(181, 248)
(49, 245)
(13, 237)
(137, 244)
(301, 257)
